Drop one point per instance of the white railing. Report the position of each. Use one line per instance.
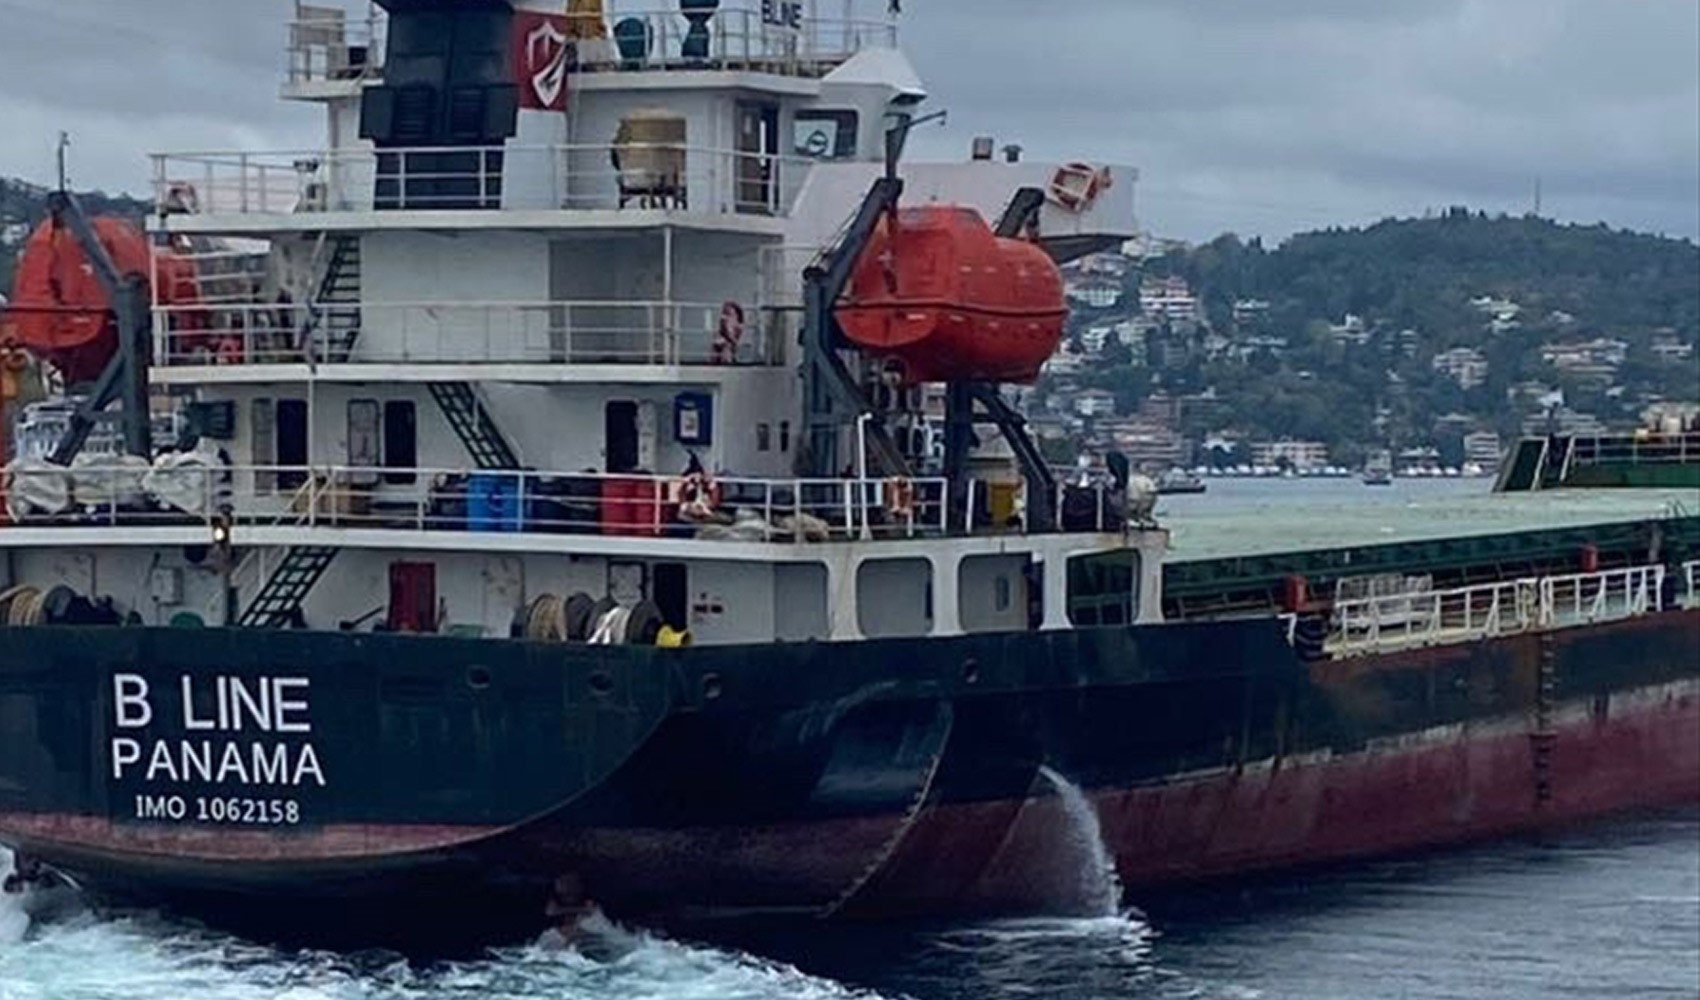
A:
(1491, 609)
(540, 178)
(1691, 577)
(579, 332)
(586, 503)
(1591, 597)
(547, 502)
(325, 43)
(743, 38)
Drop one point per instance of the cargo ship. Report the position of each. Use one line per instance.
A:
(529, 500)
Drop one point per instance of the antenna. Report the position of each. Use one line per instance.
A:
(1537, 197)
(64, 144)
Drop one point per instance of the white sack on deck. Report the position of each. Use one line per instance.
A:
(104, 481)
(186, 480)
(36, 486)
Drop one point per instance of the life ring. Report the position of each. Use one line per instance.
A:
(900, 498)
(699, 497)
(229, 351)
(729, 333)
(1075, 186)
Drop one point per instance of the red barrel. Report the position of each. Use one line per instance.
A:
(1295, 593)
(644, 506)
(614, 512)
(630, 506)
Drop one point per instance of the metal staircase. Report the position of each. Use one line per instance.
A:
(288, 586)
(1557, 467)
(333, 322)
(474, 426)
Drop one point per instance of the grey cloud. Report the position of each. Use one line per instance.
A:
(1259, 116)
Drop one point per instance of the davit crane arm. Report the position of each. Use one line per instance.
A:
(124, 378)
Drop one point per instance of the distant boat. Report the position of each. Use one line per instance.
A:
(1378, 471)
(1179, 481)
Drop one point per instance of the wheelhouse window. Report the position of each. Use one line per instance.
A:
(824, 135)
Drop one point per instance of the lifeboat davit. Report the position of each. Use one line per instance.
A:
(952, 301)
(60, 311)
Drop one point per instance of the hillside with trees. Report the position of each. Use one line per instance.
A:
(1408, 332)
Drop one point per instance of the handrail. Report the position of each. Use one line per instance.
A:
(327, 44)
(610, 176)
(1637, 449)
(673, 333)
(1422, 618)
(462, 499)
(741, 38)
(444, 499)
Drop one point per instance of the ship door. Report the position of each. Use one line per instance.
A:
(291, 443)
(670, 586)
(630, 436)
(758, 151)
(413, 597)
(620, 436)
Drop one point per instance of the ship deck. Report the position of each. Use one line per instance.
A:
(1235, 549)
(1247, 517)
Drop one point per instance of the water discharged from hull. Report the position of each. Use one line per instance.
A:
(14, 920)
(1096, 887)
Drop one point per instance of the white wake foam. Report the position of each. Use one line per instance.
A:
(146, 957)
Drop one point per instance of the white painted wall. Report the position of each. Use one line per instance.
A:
(458, 270)
(752, 398)
(731, 602)
(613, 267)
(894, 598)
(532, 171)
(992, 593)
(800, 603)
(124, 575)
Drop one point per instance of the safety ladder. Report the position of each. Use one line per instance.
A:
(288, 586)
(1544, 738)
(474, 426)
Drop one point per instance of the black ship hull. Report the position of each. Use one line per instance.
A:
(384, 789)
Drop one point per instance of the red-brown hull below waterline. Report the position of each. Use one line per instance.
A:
(1447, 786)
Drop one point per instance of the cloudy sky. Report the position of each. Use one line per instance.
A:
(1256, 116)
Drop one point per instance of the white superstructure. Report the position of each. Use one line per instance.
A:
(496, 374)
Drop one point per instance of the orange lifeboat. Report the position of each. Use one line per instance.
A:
(952, 301)
(60, 311)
